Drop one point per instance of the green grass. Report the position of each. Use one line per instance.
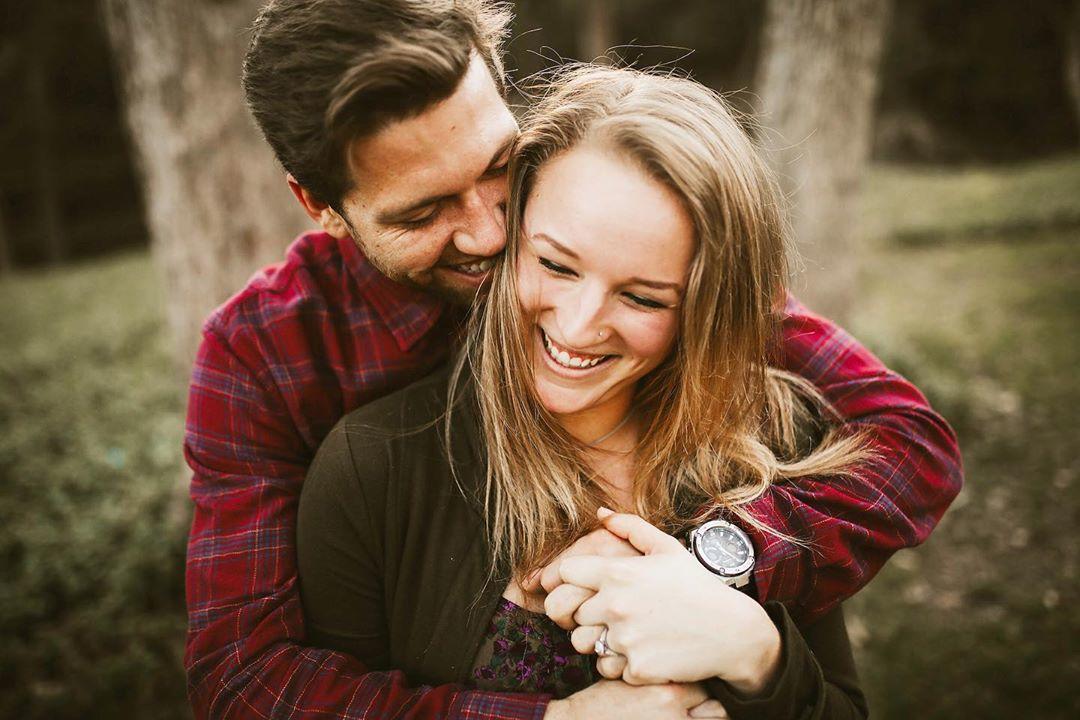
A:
(971, 289)
(91, 596)
(983, 621)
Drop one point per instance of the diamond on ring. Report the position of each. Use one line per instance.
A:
(601, 647)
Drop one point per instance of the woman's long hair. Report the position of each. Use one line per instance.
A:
(719, 425)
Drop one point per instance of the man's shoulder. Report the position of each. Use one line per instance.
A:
(309, 280)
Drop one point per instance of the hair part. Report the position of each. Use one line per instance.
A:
(320, 74)
(721, 424)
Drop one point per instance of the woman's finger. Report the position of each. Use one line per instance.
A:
(584, 638)
(562, 602)
(611, 667)
(709, 709)
(593, 611)
(648, 539)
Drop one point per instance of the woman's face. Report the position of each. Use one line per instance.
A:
(601, 271)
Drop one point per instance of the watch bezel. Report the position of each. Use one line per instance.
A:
(698, 534)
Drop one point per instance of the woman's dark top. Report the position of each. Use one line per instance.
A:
(394, 569)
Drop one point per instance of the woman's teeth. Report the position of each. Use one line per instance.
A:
(475, 268)
(571, 361)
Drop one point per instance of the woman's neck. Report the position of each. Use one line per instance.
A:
(597, 423)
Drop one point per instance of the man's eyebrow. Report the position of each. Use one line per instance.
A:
(503, 149)
(398, 214)
(655, 284)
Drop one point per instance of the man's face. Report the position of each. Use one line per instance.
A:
(430, 191)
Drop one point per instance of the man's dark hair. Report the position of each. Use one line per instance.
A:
(322, 73)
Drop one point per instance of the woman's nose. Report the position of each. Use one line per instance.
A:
(582, 317)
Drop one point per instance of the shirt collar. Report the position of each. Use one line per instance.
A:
(407, 312)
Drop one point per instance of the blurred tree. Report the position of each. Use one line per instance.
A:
(5, 243)
(217, 203)
(38, 49)
(597, 29)
(816, 82)
(1072, 59)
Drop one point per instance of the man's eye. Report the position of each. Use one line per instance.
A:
(497, 171)
(556, 268)
(420, 222)
(645, 302)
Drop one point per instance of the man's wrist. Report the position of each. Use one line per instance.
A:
(557, 710)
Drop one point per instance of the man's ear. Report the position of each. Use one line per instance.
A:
(317, 210)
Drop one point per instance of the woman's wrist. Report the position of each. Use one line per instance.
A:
(761, 661)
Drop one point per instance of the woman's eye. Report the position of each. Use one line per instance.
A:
(645, 302)
(556, 268)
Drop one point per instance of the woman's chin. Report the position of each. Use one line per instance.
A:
(563, 401)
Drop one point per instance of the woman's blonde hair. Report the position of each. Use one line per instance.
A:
(719, 425)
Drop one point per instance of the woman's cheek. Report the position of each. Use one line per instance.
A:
(529, 286)
(652, 335)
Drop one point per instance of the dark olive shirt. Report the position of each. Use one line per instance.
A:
(394, 562)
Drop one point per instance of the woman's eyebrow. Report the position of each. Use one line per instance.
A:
(656, 284)
(555, 244)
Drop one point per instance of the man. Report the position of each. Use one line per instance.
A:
(389, 117)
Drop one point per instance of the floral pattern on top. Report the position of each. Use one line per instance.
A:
(527, 652)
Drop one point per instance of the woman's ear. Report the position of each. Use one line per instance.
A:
(326, 217)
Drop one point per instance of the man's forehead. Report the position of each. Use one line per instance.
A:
(449, 144)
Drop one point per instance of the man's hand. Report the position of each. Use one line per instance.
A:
(616, 700)
(601, 542)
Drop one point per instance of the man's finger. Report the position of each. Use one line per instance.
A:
(711, 708)
(562, 602)
(549, 578)
(648, 540)
(587, 571)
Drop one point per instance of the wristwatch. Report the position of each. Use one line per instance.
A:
(724, 550)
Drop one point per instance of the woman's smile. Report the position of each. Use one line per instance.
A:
(566, 358)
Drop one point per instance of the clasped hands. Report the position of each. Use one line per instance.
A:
(669, 619)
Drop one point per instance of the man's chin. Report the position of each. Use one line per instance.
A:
(459, 288)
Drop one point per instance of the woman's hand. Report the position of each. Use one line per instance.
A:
(669, 618)
(620, 701)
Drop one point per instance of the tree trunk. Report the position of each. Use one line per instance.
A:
(597, 30)
(5, 244)
(816, 81)
(41, 111)
(216, 201)
(1072, 61)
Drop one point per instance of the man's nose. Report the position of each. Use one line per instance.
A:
(483, 228)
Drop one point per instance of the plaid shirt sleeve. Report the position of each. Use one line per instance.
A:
(893, 499)
(244, 653)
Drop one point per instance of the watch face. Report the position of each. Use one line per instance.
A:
(725, 549)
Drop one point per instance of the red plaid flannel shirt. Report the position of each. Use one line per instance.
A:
(312, 338)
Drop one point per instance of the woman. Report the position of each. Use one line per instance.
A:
(620, 362)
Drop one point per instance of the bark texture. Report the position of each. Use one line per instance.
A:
(217, 203)
(597, 30)
(816, 81)
(1072, 60)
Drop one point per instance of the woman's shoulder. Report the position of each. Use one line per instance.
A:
(399, 436)
(414, 409)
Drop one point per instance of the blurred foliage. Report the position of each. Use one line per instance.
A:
(91, 592)
(983, 621)
(981, 312)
